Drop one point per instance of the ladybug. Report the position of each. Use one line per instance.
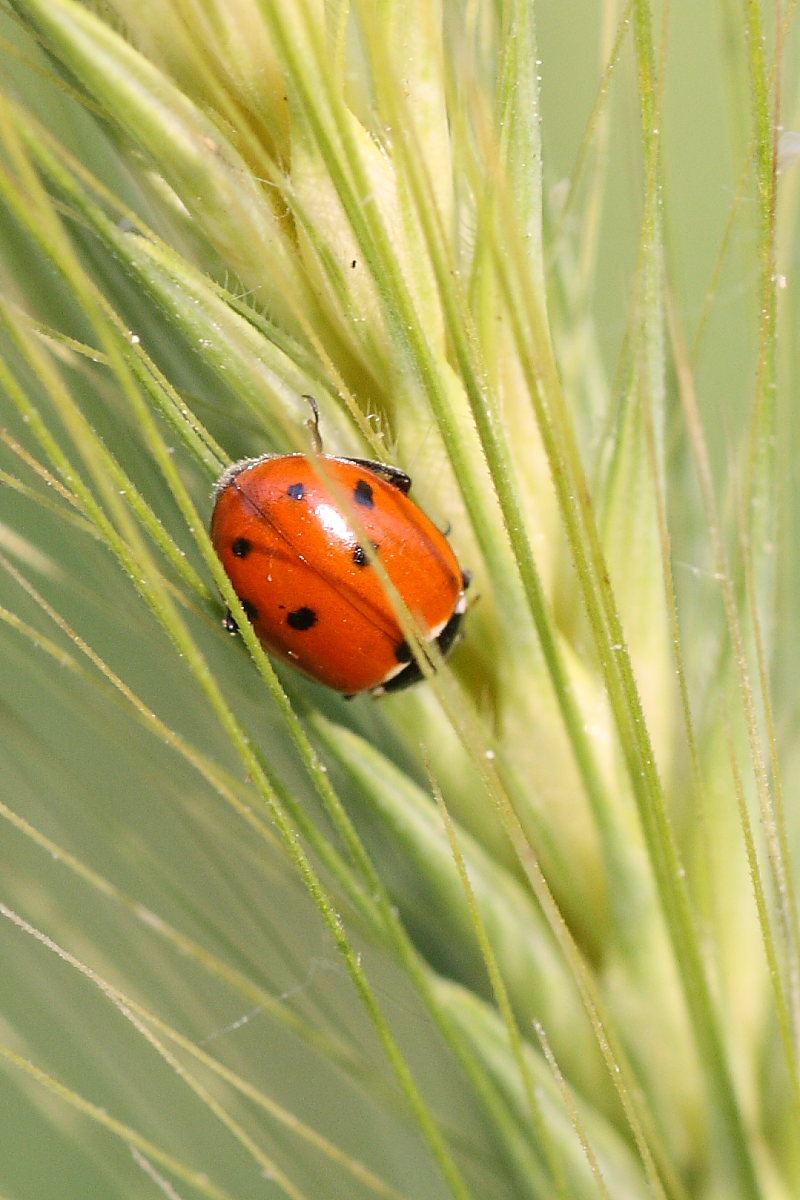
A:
(306, 581)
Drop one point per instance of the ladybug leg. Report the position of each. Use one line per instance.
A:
(313, 423)
(391, 475)
(229, 621)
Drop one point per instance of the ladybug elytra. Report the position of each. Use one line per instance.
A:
(306, 581)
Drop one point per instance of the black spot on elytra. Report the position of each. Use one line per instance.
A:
(241, 547)
(297, 491)
(360, 555)
(302, 619)
(250, 609)
(402, 652)
(363, 494)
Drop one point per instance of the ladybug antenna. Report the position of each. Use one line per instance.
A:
(313, 424)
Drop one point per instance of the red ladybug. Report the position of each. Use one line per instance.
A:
(307, 583)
